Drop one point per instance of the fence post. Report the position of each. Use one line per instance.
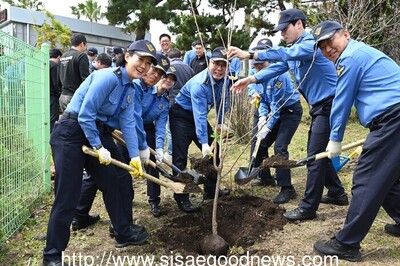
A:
(46, 116)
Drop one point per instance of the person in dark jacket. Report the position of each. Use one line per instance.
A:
(55, 55)
(200, 62)
(74, 68)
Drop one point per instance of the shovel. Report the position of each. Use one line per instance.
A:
(244, 175)
(197, 178)
(292, 164)
(176, 187)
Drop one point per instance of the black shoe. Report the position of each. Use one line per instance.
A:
(82, 223)
(135, 240)
(393, 229)
(265, 182)
(299, 214)
(134, 227)
(341, 200)
(53, 263)
(221, 193)
(285, 195)
(155, 209)
(334, 247)
(187, 206)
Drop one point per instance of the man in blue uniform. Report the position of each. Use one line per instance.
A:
(370, 80)
(280, 114)
(102, 103)
(183, 73)
(254, 92)
(316, 80)
(189, 118)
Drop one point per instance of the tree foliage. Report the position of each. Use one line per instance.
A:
(90, 10)
(55, 33)
(27, 4)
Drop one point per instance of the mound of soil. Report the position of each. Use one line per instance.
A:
(278, 161)
(242, 221)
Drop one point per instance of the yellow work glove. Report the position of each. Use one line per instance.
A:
(104, 155)
(256, 100)
(136, 164)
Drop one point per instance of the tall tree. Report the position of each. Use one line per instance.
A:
(27, 4)
(89, 9)
(135, 16)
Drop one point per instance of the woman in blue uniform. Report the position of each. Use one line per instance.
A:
(103, 102)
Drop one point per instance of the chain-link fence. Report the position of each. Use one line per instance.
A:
(24, 132)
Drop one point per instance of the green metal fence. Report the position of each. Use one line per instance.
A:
(24, 132)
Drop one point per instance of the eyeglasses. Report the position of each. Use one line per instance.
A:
(220, 64)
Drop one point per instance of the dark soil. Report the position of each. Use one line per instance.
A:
(204, 166)
(242, 221)
(279, 161)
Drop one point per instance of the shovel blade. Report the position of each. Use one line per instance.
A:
(243, 176)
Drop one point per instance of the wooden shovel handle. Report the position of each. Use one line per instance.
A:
(176, 187)
(344, 148)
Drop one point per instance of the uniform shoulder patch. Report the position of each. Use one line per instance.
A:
(118, 71)
(339, 70)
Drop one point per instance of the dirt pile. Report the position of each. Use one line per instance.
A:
(242, 221)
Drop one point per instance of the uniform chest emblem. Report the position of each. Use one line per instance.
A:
(129, 98)
(278, 84)
(339, 70)
(161, 106)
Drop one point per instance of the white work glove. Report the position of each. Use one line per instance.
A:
(263, 132)
(334, 148)
(206, 150)
(261, 122)
(144, 155)
(159, 155)
(136, 164)
(104, 156)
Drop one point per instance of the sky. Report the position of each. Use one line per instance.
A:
(62, 8)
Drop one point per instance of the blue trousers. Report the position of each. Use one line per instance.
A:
(282, 134)
(66, 142)
(183, 131)
(376, 179)
(320, 172)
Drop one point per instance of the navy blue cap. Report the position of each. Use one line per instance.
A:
(92, 51)
(265, 43)
(162, 62)
(117, 50)
(219, 54)
(287, 16)
(172, 71)
(325, 30)
(144, 48)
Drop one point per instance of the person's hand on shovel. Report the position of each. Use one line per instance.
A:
(334, 149)
(263, 132)
(136, 164)
(144, 155)
(159, 155)
(206, 150)
(104, 155)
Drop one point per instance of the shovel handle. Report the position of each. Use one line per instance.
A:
(175, 168)
(256, 147)
(325, 154)
(124, 166)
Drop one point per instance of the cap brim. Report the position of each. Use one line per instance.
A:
(326, 36)
(219, 59)
(161, 68)
(258, 62)
(281, 27)
(261, 47)
(172, 74)
(153, 58)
